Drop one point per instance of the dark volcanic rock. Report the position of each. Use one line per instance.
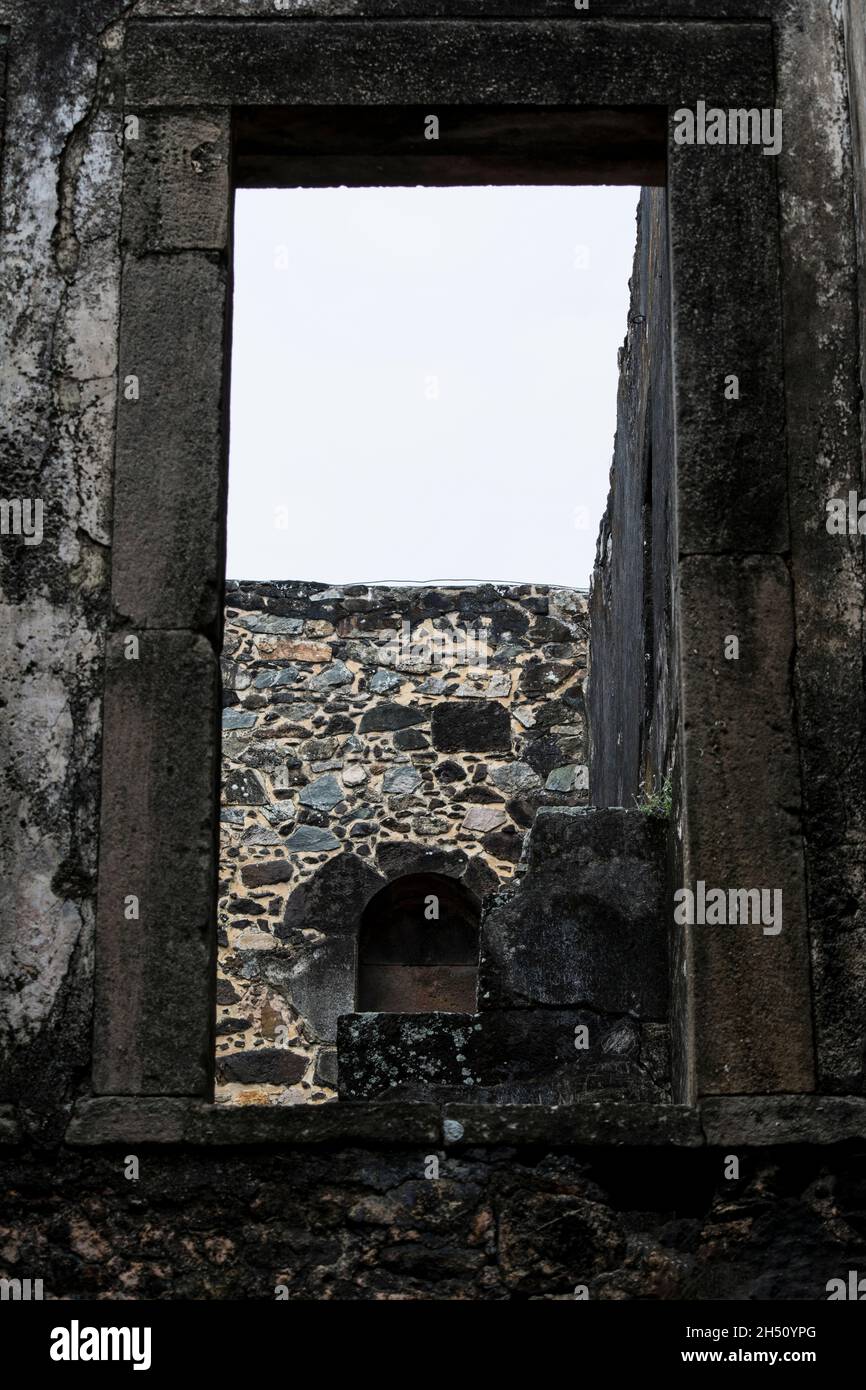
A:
(388, 716)
(398, 857)
(333, 899)
(471, 726)
(271, 1066)
(267, 871)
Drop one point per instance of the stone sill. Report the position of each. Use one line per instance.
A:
(708, 10)
(730, 1120)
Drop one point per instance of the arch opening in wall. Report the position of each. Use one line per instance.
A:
(418, 947)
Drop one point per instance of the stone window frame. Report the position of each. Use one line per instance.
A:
(154, 1009)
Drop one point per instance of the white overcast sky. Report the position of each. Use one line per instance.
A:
(424, 381)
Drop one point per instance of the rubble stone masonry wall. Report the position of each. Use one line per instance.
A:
(372, 724)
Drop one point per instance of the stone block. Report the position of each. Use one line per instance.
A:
(398, 857)
(381, 1053)
(510, 1057)
(176, 182)
(551, 61)
(385, 717)
(158, 850)
(169, 486)
(471, 726)
(320, 982)
(262, 1066)
(331, 902)
(772, 1120)
(163, 1120)
(586, 924)
(263, 871)
(731, 454)
(590, 1123)
(750, 989)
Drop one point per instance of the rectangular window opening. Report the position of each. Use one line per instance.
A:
(428, 309)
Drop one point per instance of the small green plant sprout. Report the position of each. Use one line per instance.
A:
(657, 803)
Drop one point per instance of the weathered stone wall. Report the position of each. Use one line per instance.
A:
(61, 172)
(367, 731)
(656, 596)
(204, 1223)
(360, 1223)
(573, 995)
(632, 690)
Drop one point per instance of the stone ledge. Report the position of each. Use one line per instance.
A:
(594, 1123)
(749, 1121)
(168, 1120)
(793, 1119)
(711, 10)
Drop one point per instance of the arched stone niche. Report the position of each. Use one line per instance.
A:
(418, 947)
(322, 979)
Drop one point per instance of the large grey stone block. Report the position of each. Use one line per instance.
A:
(169, 487)
(155, 972)
(558, 60)
(332, 900)
(589, 1122)
(743, 828)
(752, 1120)
(165, 1121)
(176, 182)
(823, 202)
(586, 924)
(725, 293)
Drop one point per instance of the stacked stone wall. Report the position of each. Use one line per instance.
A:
(369, 725)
